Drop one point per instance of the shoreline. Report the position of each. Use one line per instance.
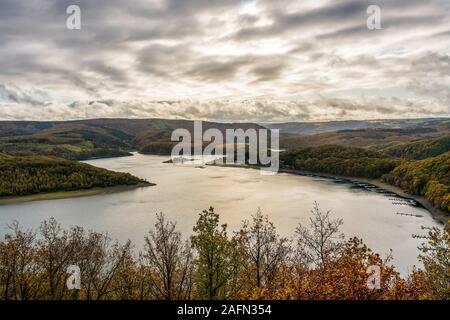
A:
(58, 195)
(437, 214)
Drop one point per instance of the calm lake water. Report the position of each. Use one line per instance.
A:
(184, 191)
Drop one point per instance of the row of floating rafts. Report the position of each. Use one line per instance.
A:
(418, 236)
(372, 187)
(403, 202)
(363, 185)
(410, 214)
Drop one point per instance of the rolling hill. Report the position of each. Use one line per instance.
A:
(85, 139)
(375, 139)
(308, 128)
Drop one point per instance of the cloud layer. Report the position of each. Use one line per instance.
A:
(254, 60)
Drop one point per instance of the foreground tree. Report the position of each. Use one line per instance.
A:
(263, 252)
(436, 261)
(168, 262)
(57, 249)
(319, 242)
(255, 264)
(217, 260)
(348, 275)
(19, 276)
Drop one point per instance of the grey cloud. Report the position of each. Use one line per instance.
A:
(215, 70)
(284, 22)
(443, 34)
(152, 52)
(268, 72)
(339, 13)
(259, 110)
(439, 64)
(18, 96)
(303, 48)
(388, 24)
(112, 72)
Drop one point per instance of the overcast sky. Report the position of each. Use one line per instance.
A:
(228, 60)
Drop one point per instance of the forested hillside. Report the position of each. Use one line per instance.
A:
(429, 178)
(64, 148)
(421, 149)
(37, 174)
(332, 159)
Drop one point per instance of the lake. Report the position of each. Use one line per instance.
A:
(236, 193)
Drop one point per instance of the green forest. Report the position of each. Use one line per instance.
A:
(340, 160)
(429, 178)
(420, 149)
(38, 174)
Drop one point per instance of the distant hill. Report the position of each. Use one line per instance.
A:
(375, 139)
(307, 128)
(84, 139)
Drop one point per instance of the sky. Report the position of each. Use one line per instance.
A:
(224, 60)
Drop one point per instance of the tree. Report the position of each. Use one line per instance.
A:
(217, 262)
(54, 254)
(263, 252)
(321, 241)
(19, 275)
(436, 261)
(168, 262)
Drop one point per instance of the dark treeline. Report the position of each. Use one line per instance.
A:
(253, 263)
(158, 148)
(88, 154)
(333, 159)
(38, 174)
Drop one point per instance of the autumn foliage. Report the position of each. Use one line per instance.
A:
(254, 262)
